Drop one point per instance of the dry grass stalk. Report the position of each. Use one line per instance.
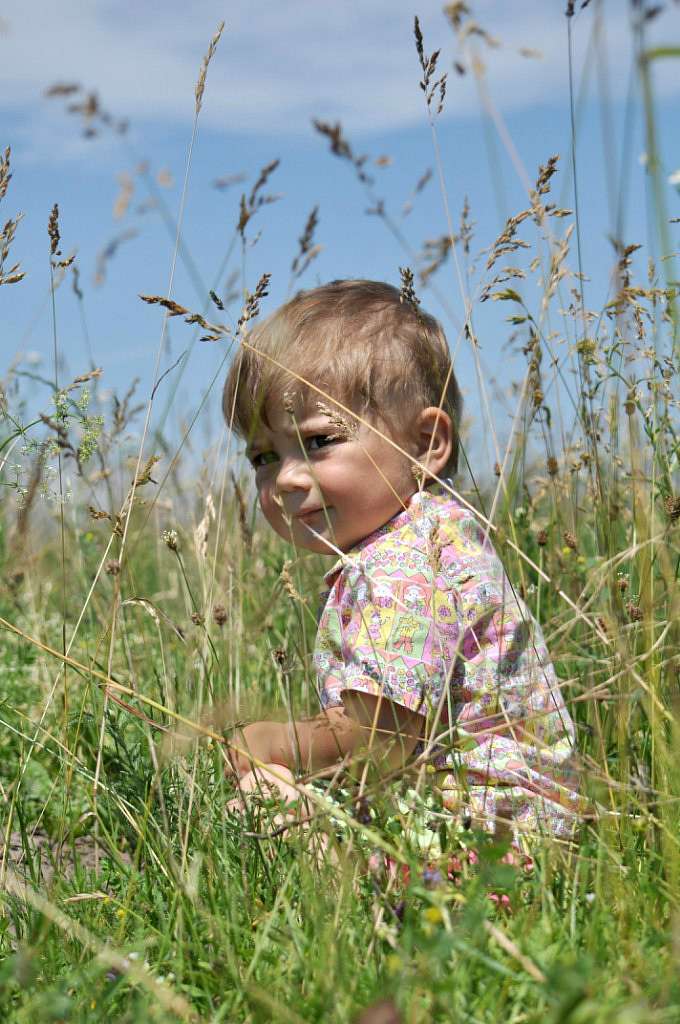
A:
(89, 108)
(231, 179)
(344, 427)
(5, 176)
(429, 66)
(246, 532)
(202, 531)
(407, 293)
(287, 582)
(251, 307)
(124, 197)
(109, 251)
(251, 204)
(53, 231)
(62, 89)
(13, 275)
(307, 252)
(200, 84)
(173, 308)
(341, 147)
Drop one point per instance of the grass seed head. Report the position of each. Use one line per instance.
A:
(671, 506)
(219, 615)
(200, 84)
(171, 539)
(53, 231)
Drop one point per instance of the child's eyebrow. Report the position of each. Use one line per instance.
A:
(317, 421)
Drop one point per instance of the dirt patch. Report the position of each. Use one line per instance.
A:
(38, 857)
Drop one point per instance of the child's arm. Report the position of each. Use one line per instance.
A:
(367, 724)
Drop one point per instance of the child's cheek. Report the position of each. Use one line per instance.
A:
(268, 506)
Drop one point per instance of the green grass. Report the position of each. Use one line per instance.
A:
(127, 893)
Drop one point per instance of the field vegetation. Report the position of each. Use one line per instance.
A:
(145, 611)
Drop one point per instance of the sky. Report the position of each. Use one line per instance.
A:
(277, 68)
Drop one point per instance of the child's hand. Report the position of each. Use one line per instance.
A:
(269, 781)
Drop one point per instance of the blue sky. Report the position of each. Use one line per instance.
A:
(277, 67)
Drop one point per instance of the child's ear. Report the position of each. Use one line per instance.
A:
(434, 439)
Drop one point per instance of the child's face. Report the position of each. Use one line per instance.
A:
(318, 483)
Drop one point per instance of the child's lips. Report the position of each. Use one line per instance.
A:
(309, 513)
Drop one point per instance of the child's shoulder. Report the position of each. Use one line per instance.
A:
(434, 523)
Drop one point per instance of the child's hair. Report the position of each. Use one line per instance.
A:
(358, 341)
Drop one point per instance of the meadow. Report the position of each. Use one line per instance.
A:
(146, 611)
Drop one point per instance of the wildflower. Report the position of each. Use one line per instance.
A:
(542, 538)
(398, 910)
(112, 567)
(502, 901)
(433, 915)
(197, 619)
(394, 963)
(552, 466)
(570, 540)
(376, 863)
(432, 877)
(454, 868)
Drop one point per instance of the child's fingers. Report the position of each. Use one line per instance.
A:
(236, 806)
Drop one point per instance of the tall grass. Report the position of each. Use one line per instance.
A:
(128, 894)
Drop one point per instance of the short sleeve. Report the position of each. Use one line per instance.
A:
(377, 634)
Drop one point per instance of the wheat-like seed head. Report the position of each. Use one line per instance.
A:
(200, 84)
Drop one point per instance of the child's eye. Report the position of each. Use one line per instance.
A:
(262, 459)
(317, 441)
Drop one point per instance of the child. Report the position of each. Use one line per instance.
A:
(348, 403)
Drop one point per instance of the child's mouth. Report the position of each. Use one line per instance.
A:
(310, 514)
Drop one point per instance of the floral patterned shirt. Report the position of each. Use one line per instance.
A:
(422, 612)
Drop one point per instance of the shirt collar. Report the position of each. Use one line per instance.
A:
(402, 518)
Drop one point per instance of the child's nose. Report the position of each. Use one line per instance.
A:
(293, 474)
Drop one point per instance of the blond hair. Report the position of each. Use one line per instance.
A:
(360, 343)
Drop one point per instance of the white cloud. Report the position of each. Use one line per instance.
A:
(280, 64)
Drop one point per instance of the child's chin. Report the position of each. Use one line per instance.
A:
(315, 544)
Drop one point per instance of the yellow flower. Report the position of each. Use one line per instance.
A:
(394, 963)
(433, 915)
